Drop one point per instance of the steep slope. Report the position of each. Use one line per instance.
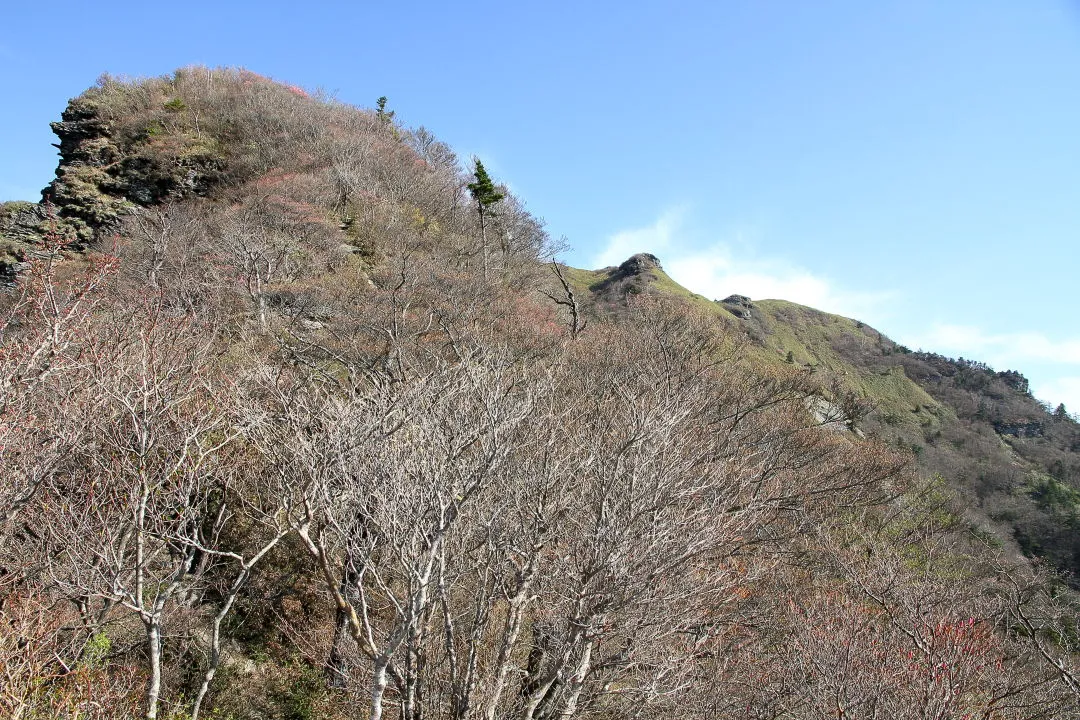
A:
(291, 427)
(1015, 463)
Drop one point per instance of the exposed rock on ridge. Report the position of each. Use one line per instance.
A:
(104, 170)
(633, 276)
(738, 305)
(637, 264)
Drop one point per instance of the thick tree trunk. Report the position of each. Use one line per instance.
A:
(336, 674)
(577, 682)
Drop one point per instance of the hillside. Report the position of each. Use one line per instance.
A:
(299, 420)
(1014, 463)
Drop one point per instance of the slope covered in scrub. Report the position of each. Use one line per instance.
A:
(295, 425)
(1014, 462)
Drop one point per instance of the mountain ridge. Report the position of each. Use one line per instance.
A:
(295, 425)
(916, 404)
(111, 166)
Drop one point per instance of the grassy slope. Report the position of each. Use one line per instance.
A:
(918, 405)
(777, 327)
(813, 338)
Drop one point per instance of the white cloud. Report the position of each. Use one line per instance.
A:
(717, 271)
(1002, 348)
(1060, 390)
(1043, 359)
(655, 239)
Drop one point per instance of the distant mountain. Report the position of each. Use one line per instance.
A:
(1013, 461)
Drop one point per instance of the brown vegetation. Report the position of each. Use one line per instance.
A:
(302, 445)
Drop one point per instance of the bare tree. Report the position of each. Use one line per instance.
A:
(272, 239)
(261, 502)
(43, 321)
(149, 499)
(570, 302)
(430, 447)
(1045, 613)
(912, 625)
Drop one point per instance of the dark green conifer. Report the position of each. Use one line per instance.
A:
(485, 194)
(381, 112)
(483, 190)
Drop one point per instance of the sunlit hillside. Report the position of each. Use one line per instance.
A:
(299, 418)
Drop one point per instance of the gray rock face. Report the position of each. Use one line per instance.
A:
(105, 171)
(631, 277)
(637, 264)
(22, 227)
(21, 221)
(1020, 429)
(739, 306)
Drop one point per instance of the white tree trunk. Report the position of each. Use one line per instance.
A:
(153, 691)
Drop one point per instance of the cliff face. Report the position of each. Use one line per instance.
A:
(108, 164)
(84, 192)
(21, 228)
(116, 154)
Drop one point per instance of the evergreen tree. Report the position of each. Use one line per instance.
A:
(381, 112)
(485, 194)
(483, 190)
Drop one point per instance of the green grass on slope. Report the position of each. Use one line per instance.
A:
(587, 282)
(778, 330)
(816, 338)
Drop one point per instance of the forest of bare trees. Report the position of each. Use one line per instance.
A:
(292, 441)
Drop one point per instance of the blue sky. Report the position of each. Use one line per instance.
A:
(911, 163)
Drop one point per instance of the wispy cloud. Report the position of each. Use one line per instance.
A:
(717, 272)
(721, 267)
(715, 269)
(656, 239)
(1044, 359)
(1001, 348)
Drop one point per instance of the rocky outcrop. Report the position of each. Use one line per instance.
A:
(79, 192)
(22, 226)
(105, 170)
(1020, 429)
(637, 264)
(84, 136)
(21, 222)
(738, 305)
(631, 277)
